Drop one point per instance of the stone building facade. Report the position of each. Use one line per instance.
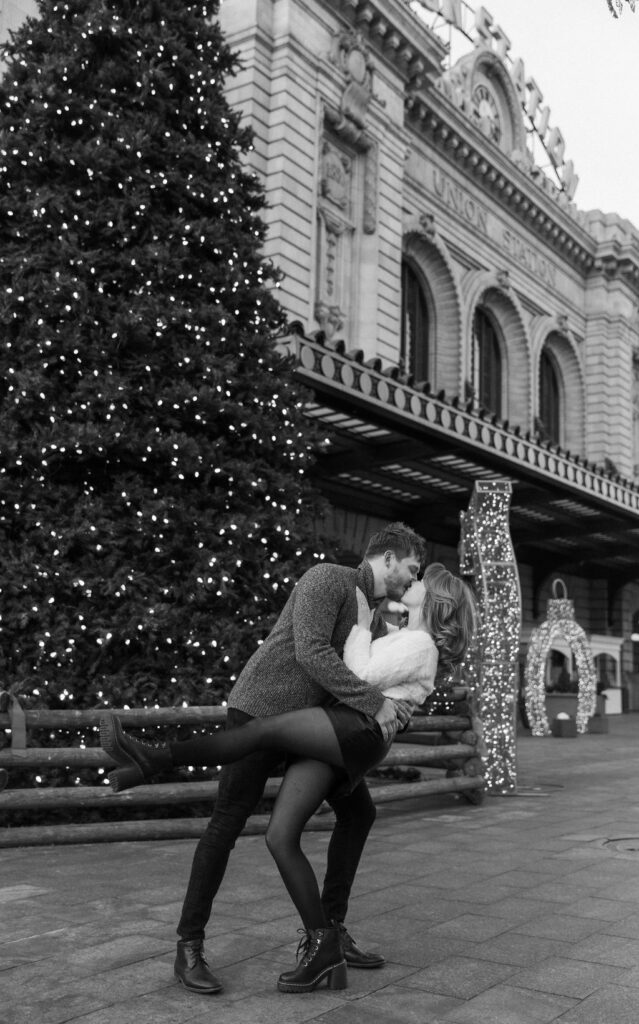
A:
(457, 315)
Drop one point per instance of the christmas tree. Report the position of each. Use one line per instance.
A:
(154, 504)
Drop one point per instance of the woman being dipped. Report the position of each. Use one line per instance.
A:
(334, 746)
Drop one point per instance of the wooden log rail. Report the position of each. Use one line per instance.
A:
(445, 744)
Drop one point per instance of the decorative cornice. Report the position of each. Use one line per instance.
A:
(624, 268)
(400, 38)
(329, 368)
(464, 144)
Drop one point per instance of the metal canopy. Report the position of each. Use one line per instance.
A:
(399, 452)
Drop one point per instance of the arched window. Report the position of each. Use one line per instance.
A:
(549, 399)
(487, 353)
(414, 332)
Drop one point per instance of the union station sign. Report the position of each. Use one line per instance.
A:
(479, 28)
(467, 206)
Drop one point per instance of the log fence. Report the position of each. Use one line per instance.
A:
(444, 748)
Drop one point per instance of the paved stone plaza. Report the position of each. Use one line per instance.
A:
(516, 912)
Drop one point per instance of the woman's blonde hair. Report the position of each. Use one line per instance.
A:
(448, 613)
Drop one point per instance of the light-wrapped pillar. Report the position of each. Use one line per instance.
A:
(492, 665)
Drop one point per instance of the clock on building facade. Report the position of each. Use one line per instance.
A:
(487, 112)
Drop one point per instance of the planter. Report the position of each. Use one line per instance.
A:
(556, 703)
(564, 728)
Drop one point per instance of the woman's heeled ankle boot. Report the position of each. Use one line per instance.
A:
(138, 762)
(322, 957)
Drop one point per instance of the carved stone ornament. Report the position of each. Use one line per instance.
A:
(362, 143)
(370, 190)
(455, 85)
(335, 225)
(334, 234)
(330, 318)
(427, 225)
(353, 59)
(503, 278)
(562, 322)
(523, 159)
(335, 176)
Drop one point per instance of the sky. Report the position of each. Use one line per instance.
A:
(586, 64)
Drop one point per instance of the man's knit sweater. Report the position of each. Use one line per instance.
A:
(300, 663)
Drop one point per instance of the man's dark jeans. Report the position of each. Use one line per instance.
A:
(240, 788)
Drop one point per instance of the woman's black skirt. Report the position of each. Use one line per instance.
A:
(361, 743)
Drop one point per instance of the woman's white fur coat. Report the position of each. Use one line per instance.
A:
(402, 664)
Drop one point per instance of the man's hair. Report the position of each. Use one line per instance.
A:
(398, 538)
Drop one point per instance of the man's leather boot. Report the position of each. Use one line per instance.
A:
(354, 956)
(192, 969)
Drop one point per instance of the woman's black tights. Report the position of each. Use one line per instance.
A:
(306, 733)
(305, 784)
(309, 735)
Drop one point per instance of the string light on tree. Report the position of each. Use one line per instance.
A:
(144, 395)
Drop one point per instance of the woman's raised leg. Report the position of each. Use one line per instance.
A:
(307, 733)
